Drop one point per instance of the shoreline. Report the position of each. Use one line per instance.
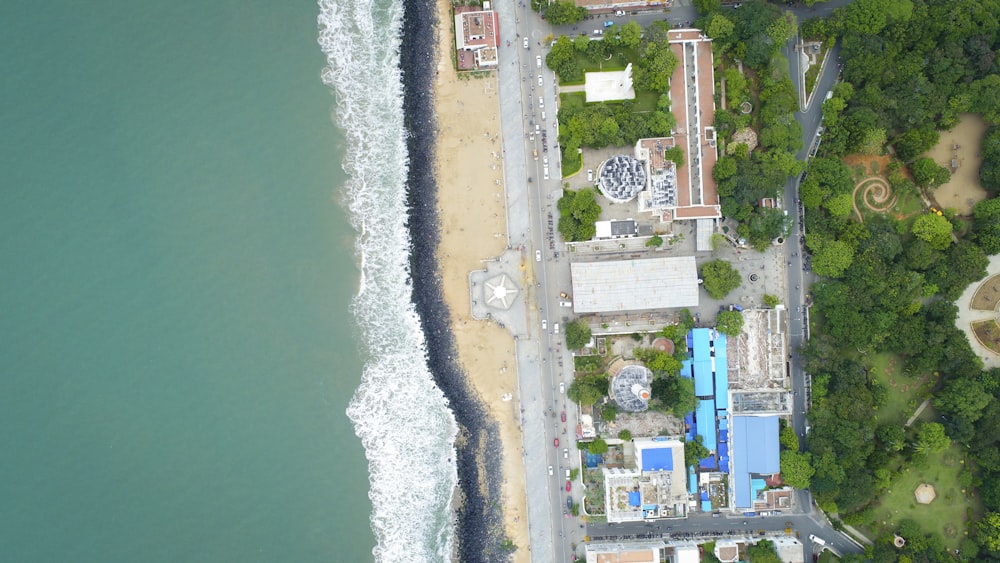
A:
(472, 210)
(479, 531)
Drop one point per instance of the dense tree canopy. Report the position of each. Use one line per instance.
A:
(577, 213)
(720, 278)
(729, 323)
(673, 394)
(588, 389)
(577, 334)
(562, 12)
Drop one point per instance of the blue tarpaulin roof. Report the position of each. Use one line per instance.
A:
(706, 422)
(755, 451)
(707, 462)
(723, 449)
(723, 433)
(704, 495)
(634, 499)
(706, 506)
(724, 425)
(686, 369)
(657, 459)
(692, 482)
(703, 384)
(701, 338)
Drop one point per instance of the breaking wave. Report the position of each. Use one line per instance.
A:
(402, 418)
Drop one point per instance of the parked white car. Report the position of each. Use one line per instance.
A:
(538, 61)
(526, 42)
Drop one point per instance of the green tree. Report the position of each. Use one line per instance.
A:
(598, 447)
(986, 225)
(832, 257)
(694, 451)
(674, 394)
(931, 438)
(708, 6)
(933, 229)
(675, 154)
(928, 174)
(577, 334)
(729, 323)
(588, 389)
(965, 398)
(658, 361)
(762, 552)
(788, 439)
(577, 213)
(609, 413)
(891, 436)
(796, 469)
(625, 435)
(720, 28)
(771, 300)
(719, 278)
(564, 12)
(631, 34)
(655, 241)
(988, 531)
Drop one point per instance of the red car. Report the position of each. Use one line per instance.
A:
(556, 442)
(569, 485)
(562, 416)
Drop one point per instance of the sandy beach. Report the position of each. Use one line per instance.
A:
(473, 227)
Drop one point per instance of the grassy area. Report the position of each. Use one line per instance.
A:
(646, 101)
(572, 100)
(905, 393)
(947, 515)
(571, 166)
(813, 73)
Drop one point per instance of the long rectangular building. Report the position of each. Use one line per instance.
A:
(634, 285)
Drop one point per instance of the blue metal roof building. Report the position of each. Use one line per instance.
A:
(754, 450)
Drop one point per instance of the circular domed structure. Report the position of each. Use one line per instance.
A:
(630, 388)
(621, 178)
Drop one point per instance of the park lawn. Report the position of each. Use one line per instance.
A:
(646, 101)
(616, 62)
(905, 393)
(572, 100)
(946, 516)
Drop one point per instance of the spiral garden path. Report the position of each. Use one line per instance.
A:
(876, 194)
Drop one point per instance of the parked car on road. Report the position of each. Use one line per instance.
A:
(569, 486)
(556, 442)
(562, 416)
(526, 42)
(538, 256)
(590, 174)
(550, 470)
(562, 387)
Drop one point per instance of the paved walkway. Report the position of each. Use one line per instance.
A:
(967, 315)
(920, 409)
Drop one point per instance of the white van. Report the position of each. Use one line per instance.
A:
(538, 61)
(567, 474)
(555, 328)
(817, 539)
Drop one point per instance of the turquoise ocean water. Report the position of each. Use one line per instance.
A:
(177, 347)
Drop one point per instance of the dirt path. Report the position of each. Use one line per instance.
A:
(875, 194)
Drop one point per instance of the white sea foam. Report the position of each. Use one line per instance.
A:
(401, 416)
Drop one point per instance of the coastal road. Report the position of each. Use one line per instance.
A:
(530, 198)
